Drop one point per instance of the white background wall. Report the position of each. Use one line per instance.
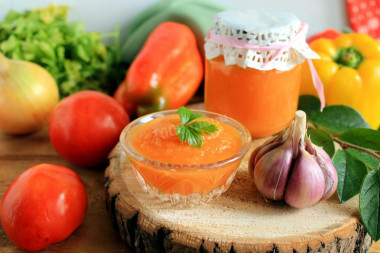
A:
(103, 15)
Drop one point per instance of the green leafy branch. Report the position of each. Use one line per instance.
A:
(357, 158)
(346, 145)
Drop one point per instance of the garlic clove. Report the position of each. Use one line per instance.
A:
(320, 152)
(331, 177)
(253, 160)
(306, 183)
(271, 171)
(276, 139)
(328, 169)
(264, 148)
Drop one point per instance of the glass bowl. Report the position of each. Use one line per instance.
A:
(185, 183)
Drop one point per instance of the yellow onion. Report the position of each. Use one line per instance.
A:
(28, 95)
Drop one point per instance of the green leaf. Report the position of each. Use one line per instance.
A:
(189, 135)
(81, 53)
(370, 202)
(182, 133)
(339, 118)
(366, 138)
(191, 132)
(322, 139)
(203, 126)
(310, 105)
(195, 138)
(46, 49)
(187, 115)
(369, 160)
(350, 174)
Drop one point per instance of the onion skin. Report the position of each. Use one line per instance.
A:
(28, 95)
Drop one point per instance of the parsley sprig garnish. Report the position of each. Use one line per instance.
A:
(189, 131)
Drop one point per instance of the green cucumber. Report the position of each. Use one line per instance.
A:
(196, 14)
(146, 14)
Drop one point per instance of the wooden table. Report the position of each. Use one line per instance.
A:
(96, 234)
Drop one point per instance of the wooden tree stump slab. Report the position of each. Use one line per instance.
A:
(240, 220)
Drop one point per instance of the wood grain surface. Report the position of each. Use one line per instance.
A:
(96, 233)
(240, 220)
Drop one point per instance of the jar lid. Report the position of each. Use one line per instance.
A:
(262, 39)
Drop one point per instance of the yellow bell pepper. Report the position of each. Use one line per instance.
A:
(349, 69)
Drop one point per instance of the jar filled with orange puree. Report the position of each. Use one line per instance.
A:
(253, 68)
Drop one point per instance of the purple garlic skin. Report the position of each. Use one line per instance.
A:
(259, 152)
(290, 167)
(271, 171)
(328, 169)
(306, 184)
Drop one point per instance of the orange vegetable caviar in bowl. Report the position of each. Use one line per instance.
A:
(175, 171)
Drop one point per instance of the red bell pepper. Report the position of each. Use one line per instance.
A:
(327, 34)
(121, 96)
(167, 71)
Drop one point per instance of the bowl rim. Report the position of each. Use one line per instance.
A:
(243, 131)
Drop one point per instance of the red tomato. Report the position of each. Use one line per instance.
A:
(121, 96)
(85, 126)
(44, 205)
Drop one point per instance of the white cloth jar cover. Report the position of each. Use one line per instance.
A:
(260, 35)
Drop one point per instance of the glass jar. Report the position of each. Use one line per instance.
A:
(253, 68)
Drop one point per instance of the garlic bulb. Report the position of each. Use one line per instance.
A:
(290, 167)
